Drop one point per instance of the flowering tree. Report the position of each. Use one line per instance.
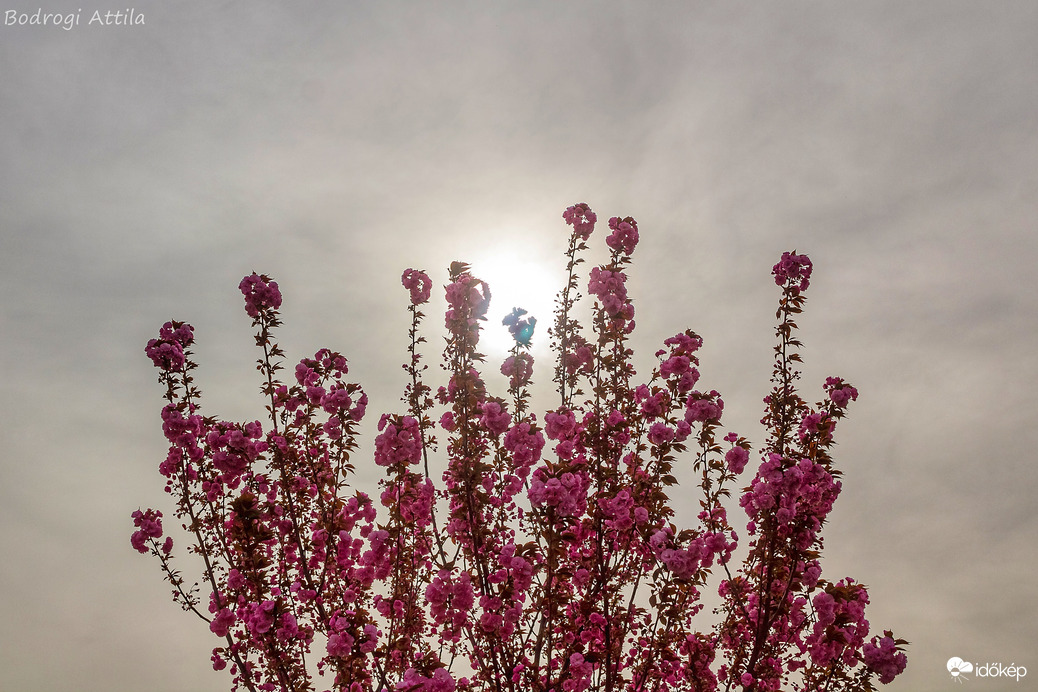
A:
(512, 567)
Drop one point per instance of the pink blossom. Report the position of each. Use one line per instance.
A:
(305, 374)
(400, 441)
(884, 659)
(661, 433)
(608, 286)
(580, 674)
(340, 644)
(259, 617)
(525, 443)
(179, 332)
(333, 428)
(680, 363)
(442, 681)
(624, 236)
(167, 352)
(288, 627)
(468, 298)
(582, 219)
(166, 355)
(149, 525)
(840, 626)
(703, 407)
(235, 448)
(413, 681)
(819, 424)
(179, 429)
(652, 402)
(289, 547)
(840, 393)
(419, 283)
(567, 494)
(792, 268)
(222, 622)
(315, 394)
(675, 365)
(618, 511)
(336, 399)
(260, 293)
(495, 418)
(235, 580)
(685, 562)
(799, 496)
(518, 369)
(736, 459)
(560, 425)
(685, 343)
(356, 413)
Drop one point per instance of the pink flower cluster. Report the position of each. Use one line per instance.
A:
(182, 431)
(223, 622)
(518, 369)
(620, 513)
(400, 442)
(798, 494)
(562, 425)
(793, 269)
(320, 388)
(235, 448)
(344, 639)
(450, 599)
(884, 659)
(525, 442)
(662, 434)
(581, 358)
(495, 417)
(609, 288)
(685, 562)
(468, 298)
(624, 237)
(419, 284)
(737, 458)
(260, 293)
(582, 219)
(817, 423)
(681, 361)
(566, 495)
(704, 408)
(167, 352)
(840, 626)
(412, 496)
(149, 527)
(441, 681)
(840, 393)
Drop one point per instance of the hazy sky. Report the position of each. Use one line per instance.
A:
(145, 169)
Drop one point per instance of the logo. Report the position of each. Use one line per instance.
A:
(958, 670)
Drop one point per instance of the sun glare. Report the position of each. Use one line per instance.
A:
(516, 280)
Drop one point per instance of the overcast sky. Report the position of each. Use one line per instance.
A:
(145, 169)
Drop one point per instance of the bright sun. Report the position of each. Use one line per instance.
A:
(516, 280)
